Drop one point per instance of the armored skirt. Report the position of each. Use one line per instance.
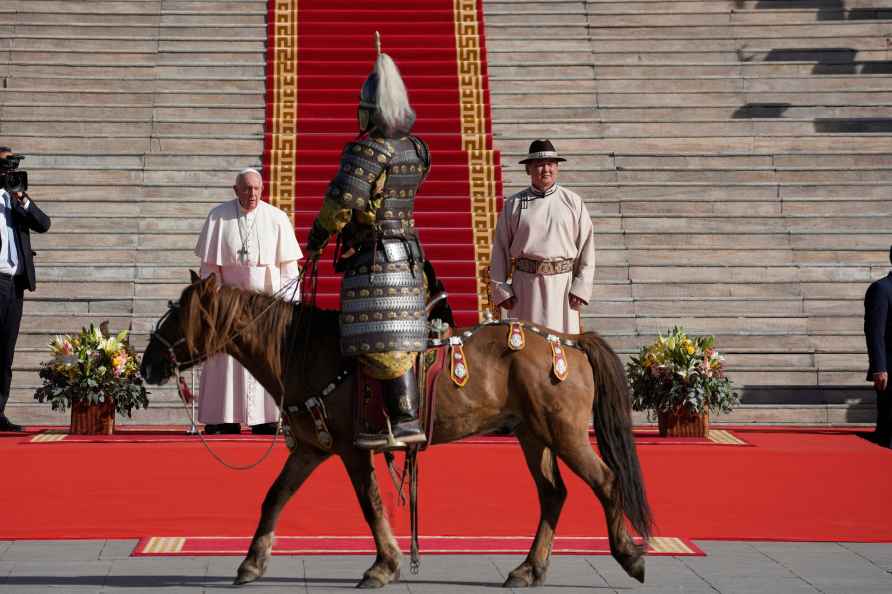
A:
(382, 306)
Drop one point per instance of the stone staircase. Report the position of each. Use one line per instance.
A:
(735, 158)
(734, 154)
(135, 116)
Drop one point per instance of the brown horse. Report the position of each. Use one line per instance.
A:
(294, 348)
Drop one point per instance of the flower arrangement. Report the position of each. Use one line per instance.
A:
(92, 367)
(680, 374)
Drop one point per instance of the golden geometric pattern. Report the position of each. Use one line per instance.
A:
(282, 153)
(49, 436)
(669, 544)
(724, 437)
(473, 127)
(164, 544)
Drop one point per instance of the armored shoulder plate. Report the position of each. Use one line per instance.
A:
(361, 164)
(422, 150)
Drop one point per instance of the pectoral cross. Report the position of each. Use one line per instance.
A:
(243, 253)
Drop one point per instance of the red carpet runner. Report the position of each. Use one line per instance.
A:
(320, 52)
(787, 486)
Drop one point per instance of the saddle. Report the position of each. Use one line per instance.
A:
(368, 401)
(369, 418)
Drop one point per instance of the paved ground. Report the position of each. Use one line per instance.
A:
(729, 567)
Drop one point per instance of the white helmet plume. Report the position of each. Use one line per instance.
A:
(392, 99)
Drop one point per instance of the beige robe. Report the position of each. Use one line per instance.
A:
(552, 226)
(228, 393)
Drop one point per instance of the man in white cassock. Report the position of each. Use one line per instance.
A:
(251, 245)
(543, 253)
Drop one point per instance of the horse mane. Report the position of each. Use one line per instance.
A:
(215, 315)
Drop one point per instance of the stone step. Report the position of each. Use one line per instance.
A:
(606, 7)
(156, 129)
(738, 100)
(739, 257)
(747, 49)
(733, 31)
(659, 17)
(853, 58)
(200, 100)
(681, 291)
(706, 114)
(32, 58)
(698, 145)
(131, 85)
(758, 192)
(168, 31)
(622, 176)
(837, 161)
(507, 116)
(211, 192)
(252, 18)
(725, 85)
(746, 70)
(741, 127)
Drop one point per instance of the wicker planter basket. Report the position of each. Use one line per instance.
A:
(93, 419)
(683, 424)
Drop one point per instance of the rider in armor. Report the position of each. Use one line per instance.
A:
(369, 206)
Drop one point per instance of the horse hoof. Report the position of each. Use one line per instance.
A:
(514, 581)
(244, 578)
(636, 569)
(369, 582)
(247, 573)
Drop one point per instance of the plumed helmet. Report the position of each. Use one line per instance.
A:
(384, 101)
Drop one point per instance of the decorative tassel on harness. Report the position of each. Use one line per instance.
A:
(458, 365)
(183, 389)
(558, 358)
(516, 338)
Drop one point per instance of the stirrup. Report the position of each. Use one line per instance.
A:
(380, 442)
(391, 443)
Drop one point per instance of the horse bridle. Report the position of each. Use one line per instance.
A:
(178, 367)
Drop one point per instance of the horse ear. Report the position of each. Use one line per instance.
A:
(213, 281)
(193, 277)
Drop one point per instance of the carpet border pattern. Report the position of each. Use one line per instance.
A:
(476, 127)
(280, 143)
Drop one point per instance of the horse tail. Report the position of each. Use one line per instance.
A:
(613, 428)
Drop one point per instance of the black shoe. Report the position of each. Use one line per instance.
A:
(7, 425)
(409, 431)
(264, 429)
(222, 429)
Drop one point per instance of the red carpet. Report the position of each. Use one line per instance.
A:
(320, 52)
(156, 546)
(789, 486)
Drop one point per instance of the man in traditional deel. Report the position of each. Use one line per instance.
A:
(369, 205)
(543, 256)
(248, 244)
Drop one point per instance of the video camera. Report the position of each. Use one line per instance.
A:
(11, 179)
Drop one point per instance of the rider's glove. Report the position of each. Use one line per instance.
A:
(316, 240)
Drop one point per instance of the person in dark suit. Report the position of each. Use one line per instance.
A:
(18, 217)
(878, 332)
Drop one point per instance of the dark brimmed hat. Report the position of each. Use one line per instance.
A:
(542, 149)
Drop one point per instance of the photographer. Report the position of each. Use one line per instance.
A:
(18, 216)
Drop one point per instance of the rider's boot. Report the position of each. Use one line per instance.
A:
(401, 400)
